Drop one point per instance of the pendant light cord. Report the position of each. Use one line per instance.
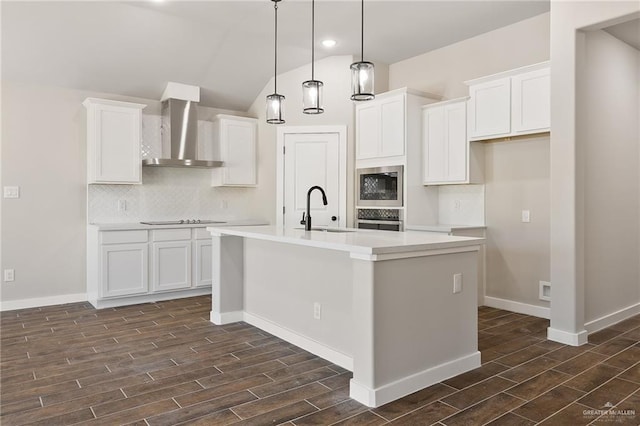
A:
(362, 32)
(275, 62)
(313, 31)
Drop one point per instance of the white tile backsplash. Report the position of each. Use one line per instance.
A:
(168, 193)
(461, 204)
(151, 146)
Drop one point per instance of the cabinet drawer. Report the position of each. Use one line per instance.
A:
(201, 234)
(171, 234)
(123, 237)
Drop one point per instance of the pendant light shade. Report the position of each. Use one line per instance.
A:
(312, 89)
(312, 97)
(275, 102)
(362, 73)
(362, 81)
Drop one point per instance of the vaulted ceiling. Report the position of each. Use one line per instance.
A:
(225, 47)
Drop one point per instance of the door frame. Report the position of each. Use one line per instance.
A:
(341, 131)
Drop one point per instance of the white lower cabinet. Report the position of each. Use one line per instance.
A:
(202, 263)
(124, 270)
(135, 266)
(171, 265)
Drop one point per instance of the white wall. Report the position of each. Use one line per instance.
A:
(44, 153)
(608, 108)
(334, 72)
(567, 166)
(517, 255)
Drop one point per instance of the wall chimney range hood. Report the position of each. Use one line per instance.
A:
(180, 129)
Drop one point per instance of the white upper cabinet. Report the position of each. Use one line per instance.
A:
(380, 126)
(531, 101)
(490, 109)
(368, 135)
(445, 149)
(511, 103)
(392, 138)
(235, 144)
(114, 133)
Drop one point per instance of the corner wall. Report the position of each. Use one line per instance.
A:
(567, 165)
(44, 153)
(608, 121)
(517, 253)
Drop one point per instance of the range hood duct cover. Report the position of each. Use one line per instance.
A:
(180, 136)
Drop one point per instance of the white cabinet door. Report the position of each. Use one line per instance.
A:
(434, 141)
(490, 109)
(392, 127)
(531, 104)
(124, 269)
(445, 154)
(202, 263)
(114, 132)
(237, 147)
(367, 130)
(171, 265)
(455, 119)
(380, 128)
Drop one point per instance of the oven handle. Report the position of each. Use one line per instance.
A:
(380, 222)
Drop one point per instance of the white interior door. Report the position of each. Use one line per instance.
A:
(312, 159)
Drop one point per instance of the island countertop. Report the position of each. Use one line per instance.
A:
(355, 241)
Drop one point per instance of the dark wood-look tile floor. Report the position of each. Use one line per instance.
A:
(166, 364)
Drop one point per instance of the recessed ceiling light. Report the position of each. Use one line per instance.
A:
(328, 43)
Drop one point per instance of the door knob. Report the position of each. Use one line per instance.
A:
(334, 218)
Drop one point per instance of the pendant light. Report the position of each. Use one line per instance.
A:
(275, 102)
(362, 72)
(312, 89)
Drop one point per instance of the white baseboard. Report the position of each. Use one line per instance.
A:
(10, 305)
(518, 307)
(316, 348)
(226, 317)
(398, 389)
(612, 318)
(568, 338)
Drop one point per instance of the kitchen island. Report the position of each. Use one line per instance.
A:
(396, 308)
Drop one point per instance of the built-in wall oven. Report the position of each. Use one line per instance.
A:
(380, 219)
(380, 186)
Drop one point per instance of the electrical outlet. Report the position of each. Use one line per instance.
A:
(526, 216)
(317, 311)
(545, 290)
(457, 204)
(11, 192)
(122, 205)
(9, 275)
(224, 204)
(457, 283)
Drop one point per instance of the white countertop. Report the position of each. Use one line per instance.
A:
(360, 241)
(438, 227)
(137, 225)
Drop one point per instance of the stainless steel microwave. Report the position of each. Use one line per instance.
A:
(380, 186)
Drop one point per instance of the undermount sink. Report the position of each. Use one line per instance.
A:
(335, 230)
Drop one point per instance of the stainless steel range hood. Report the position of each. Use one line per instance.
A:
(180, 135)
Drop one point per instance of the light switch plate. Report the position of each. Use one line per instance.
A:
(457, 283)
(11, 192)
(526, 216)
